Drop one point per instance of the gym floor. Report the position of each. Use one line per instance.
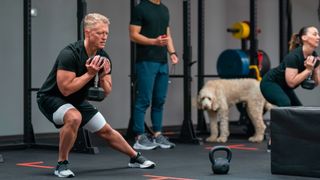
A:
(184, 162)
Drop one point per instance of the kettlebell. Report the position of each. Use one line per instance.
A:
(220, 165)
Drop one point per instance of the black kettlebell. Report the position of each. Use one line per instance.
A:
(220, 165)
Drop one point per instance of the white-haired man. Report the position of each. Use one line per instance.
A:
(62, 97)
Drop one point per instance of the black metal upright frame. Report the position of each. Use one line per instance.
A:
(285, 27)
(201, 125)
(253, 33)
(130, 134)
(28, 137)
(187, 133)
(81, 12)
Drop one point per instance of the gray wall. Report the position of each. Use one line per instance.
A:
(55, 27)
(11, 53)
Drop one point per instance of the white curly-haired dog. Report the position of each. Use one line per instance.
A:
(216, 96)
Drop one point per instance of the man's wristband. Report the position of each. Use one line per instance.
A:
(171, 53)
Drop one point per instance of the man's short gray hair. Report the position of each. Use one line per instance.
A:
(92, 19)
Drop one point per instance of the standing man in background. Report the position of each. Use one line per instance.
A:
(149, 29)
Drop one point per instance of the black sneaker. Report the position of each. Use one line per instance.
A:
(163, 142)
(141, 162)
(63, 171)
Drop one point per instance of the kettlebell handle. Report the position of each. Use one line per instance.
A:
(220, 148)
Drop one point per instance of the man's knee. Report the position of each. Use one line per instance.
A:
(106, 131)
(72, 118)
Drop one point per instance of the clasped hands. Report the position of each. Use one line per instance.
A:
(310, 62)
(96, 63)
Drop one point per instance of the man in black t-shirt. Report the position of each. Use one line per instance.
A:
(149, 29)
(62, 97)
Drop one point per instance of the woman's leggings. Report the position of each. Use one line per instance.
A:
(277, 95)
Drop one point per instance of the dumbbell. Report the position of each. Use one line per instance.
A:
(309, 83)
(96, 93)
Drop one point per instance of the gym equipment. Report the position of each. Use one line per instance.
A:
(263, 62)
(235, 63)
(96, 93)
(295, 141)
(240, 30)
(308, 83)
(256, 71)
(220, 165)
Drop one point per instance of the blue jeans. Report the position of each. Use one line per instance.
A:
(151, 87)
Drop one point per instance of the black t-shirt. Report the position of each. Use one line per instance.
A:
(71, 58)
(154, 21)
(294, 59)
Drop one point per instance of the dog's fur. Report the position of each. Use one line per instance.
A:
(216, 96)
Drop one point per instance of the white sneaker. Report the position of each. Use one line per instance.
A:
(63, 171)
(141, 162)
(144, 143)
(163, 142)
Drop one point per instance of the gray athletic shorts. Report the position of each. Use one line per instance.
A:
(54, 108)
